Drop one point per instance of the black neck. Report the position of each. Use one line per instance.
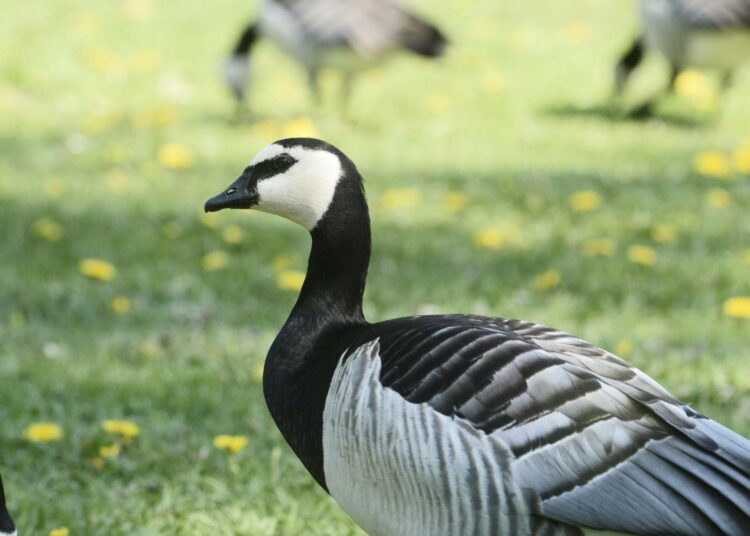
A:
(302, 359)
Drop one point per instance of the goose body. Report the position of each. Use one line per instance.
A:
(7, 527)
(466, 425)
(712, 34)
(347, 35)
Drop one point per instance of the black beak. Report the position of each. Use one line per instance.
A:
(238, 195)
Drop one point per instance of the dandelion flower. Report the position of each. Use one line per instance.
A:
(738, 307)
(399, 198)
(455, 202)
(231, 443)
(548, 280)
(257, 373)
(746, 256)
(438, 104)
(109, 451)
(215, 260)
(43, 432)
(175, 156)
(718, 198)
(62, 531)
(121, 305)
(290, 280)
(125, 429)
(139, 10)
(490, 238)
(210, 220)
(598, 247)
(713, 164)
(493, 82)
(624, 347)
(48, 229)
(578, 31)
(642, 255)
(693, 84)
(232, 234)
(171, 230)
(145, 61)
(300, 128)
(585, 201)
(664, 233)
(742, 159)
(54, 188)
(98, 269)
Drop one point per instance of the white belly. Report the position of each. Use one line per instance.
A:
(402, 469)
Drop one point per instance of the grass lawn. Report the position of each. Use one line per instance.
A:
(114, 129)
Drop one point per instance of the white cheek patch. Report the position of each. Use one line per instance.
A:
(305, 191)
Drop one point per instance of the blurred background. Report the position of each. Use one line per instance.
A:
(133, 327)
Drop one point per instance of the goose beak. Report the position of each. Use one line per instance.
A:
(238, 195)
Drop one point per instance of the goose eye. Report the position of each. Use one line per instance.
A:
(287, 159)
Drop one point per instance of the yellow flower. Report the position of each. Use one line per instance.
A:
(664, 233)
(548, 280)
(145, 61)
(215, 260)
(54, 187)
(624, 347)
(48, 229)
(746, 256)
(43, 432)
(231, 443)
(282, 262)
(598, 247)
(299, 128)
(578, 31)
(139, 10)
(125, 429)
(121, 305)
(160, 116)
(713, 164)
(738, 307)
(175, 156)
(232, 234)
(643, 255)
(290, 280)
(585, 201)
(493, 82)
(172, 230)
(117, 181)
(102, 60)
(742, 159)
(490, 238)
(109, 451)
(438, 104)
(62, 531)
(257, 372)
(210, 220)
(718, 198)
(397, 198)
(455, 201)
(693, 84)
(97, 269)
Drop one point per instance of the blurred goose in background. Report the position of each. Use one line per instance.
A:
(7, 527)
(348, 35)
(711, 34)
(467, 425)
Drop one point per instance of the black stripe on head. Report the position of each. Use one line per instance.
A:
(271, 167)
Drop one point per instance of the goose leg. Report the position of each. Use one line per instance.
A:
(646, 109)
(627, 64)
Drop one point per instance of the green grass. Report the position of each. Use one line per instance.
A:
(182, 363)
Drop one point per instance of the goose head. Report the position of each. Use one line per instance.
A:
(296, 178)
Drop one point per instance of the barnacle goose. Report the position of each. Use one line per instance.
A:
(690, 33)
(7, 527)
(465, 425)
(349, 35)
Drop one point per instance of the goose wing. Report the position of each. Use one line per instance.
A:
(595, 441)
(713, 14)
(370, 27)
